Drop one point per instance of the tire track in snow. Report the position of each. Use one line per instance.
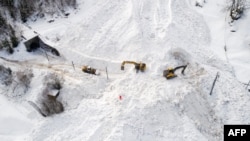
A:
(97, 23)
(62, 69)
(170, 11)
(113, 34)
(153, 18)
(93, 57)
(162, 30)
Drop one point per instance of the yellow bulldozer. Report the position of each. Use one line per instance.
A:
(138, 66)
(170, 72)
(88, 69)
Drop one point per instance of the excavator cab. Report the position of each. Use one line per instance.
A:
(141, 67)
(170, 72)
(138, 66)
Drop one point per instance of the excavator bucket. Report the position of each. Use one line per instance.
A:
(184, 67)
(122, 67)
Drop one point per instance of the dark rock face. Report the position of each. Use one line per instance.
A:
(12, 11)
(6, 76)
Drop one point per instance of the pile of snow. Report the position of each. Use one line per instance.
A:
(131, 106)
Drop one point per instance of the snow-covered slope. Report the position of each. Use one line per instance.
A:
(230, 40)
(161, 33)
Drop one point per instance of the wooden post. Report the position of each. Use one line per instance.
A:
(46, 55)
(248, 84)
(73, 65)
(217, 75)
(15, 88)
(107, 73)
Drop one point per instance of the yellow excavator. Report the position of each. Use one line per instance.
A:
(138, 66)
(88, 69)
(170, 72)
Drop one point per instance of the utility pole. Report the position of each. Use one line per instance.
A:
(73, 65)
(217, 75)
(46, 55)
(107, 73)
(248, 85)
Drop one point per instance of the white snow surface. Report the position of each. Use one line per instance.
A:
(160, 33)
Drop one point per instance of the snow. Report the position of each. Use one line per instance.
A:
(163, 33)
(235, 36)
(13, 120)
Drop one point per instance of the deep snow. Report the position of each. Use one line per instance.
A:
(161, 33)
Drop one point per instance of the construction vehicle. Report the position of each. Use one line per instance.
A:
(138, 66)
(170, 72)
(88, 69)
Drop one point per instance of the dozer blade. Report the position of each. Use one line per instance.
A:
(171, 77)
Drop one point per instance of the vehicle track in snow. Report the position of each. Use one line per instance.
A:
(61, 68)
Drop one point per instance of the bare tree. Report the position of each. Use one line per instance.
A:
(236, 8)
(24, 78)
(53, 81)
(6, 76)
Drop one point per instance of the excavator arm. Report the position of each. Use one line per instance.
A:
(179, 67)
(138, 66)
(127, 62)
